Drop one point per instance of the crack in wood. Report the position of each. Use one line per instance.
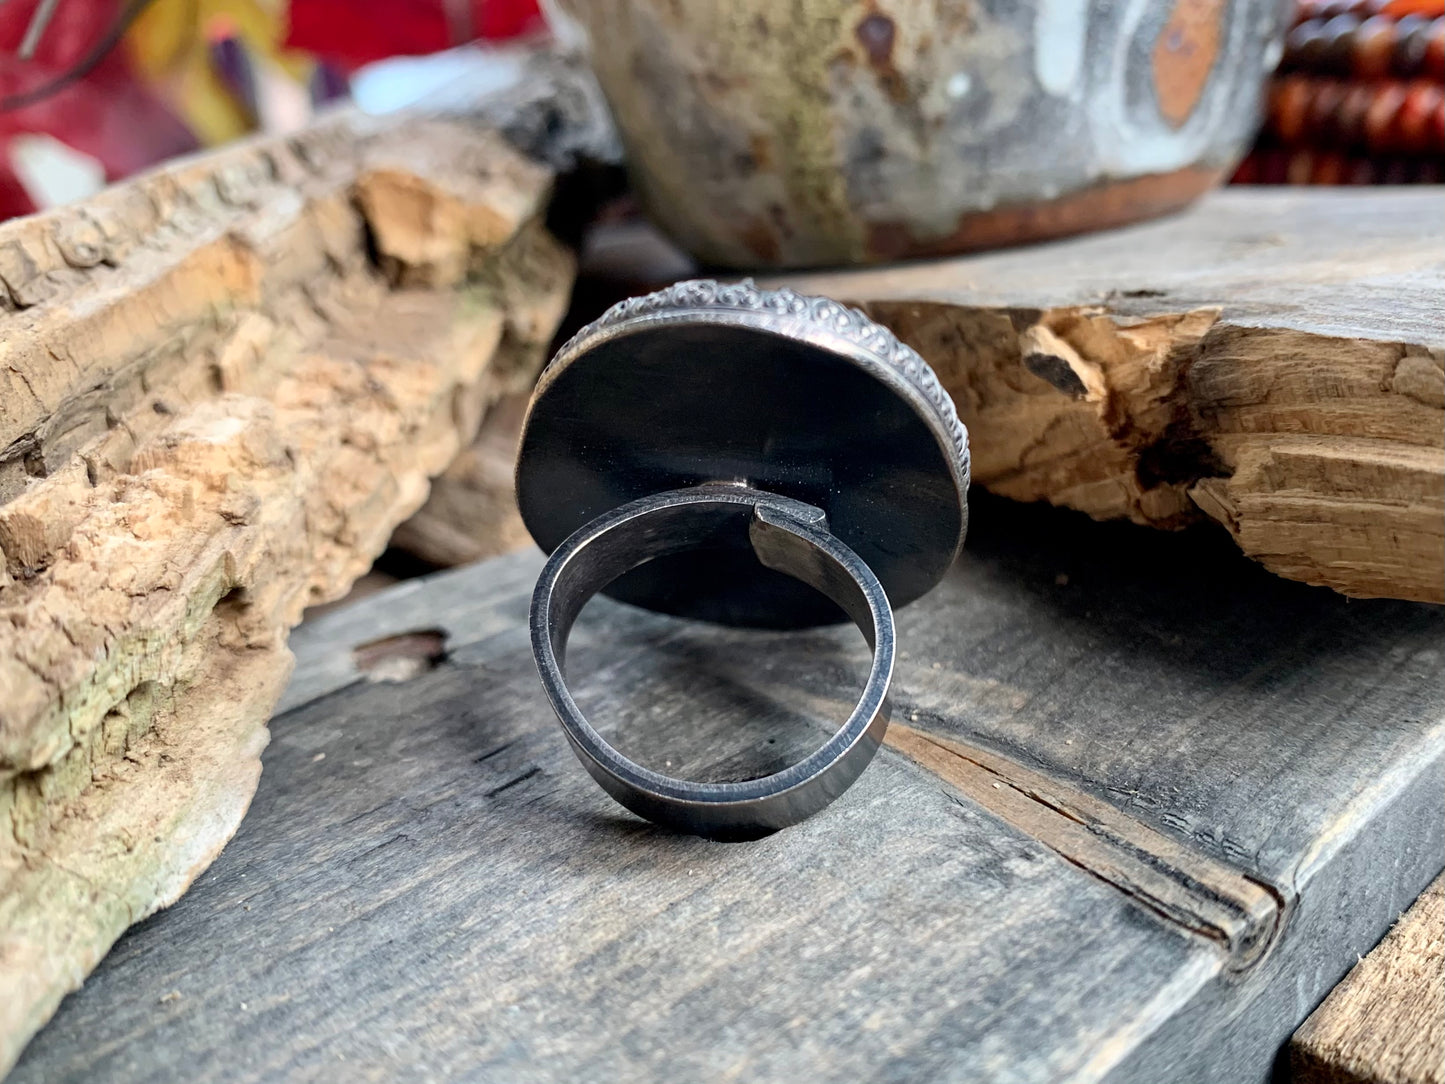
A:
(1173, 881)
(530, 773)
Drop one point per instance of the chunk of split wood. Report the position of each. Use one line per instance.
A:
(222, 386)
(1273, 360)
(1385, 1022)
(472, 513)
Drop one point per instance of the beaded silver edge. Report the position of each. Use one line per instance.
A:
(832, 317)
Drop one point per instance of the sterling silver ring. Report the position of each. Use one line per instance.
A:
(784, 535)
(749, 457)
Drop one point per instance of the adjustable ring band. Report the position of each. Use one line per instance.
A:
(785, 535)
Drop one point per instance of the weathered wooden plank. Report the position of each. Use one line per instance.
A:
(428, 886)
(1273, 359)
(1385, 1023)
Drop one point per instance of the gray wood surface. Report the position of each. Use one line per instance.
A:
(1350, 262)
(1133, 826)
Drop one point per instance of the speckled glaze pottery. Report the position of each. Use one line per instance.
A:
(763, 133)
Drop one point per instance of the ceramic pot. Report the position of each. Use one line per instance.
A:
(764, 133)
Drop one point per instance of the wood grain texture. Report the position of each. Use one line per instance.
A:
(429, 887)
(1385, 1023)
(222, 385)
(1273, 360)
(1194, 890)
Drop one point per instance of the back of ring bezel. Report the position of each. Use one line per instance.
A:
(746, 456)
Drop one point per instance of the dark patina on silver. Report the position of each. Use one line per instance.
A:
(746, 456)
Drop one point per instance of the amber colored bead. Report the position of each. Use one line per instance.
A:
(1372, 48)
(1422, 102)
(1349, 125)
(1304, 47)
(1329, 169)
(1301, 168)
(1338, 38)
(1434, 66)
(1289, 103)
(1413, 45)
(1380, 130)
(1327, 95)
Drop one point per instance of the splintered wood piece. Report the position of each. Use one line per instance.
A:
(1129, 826)
(1274, 360)
(222, 385)
(471, 513)
(1385, 1023)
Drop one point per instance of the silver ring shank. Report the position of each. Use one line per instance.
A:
(785, 535)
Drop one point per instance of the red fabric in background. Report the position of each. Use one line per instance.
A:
(351, 33)
(117, 120)
(107, 114)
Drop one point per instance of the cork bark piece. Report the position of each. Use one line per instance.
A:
(1274, 361)
(222, 386)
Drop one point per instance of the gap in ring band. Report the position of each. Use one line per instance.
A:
(707, 703)
(710, 704)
